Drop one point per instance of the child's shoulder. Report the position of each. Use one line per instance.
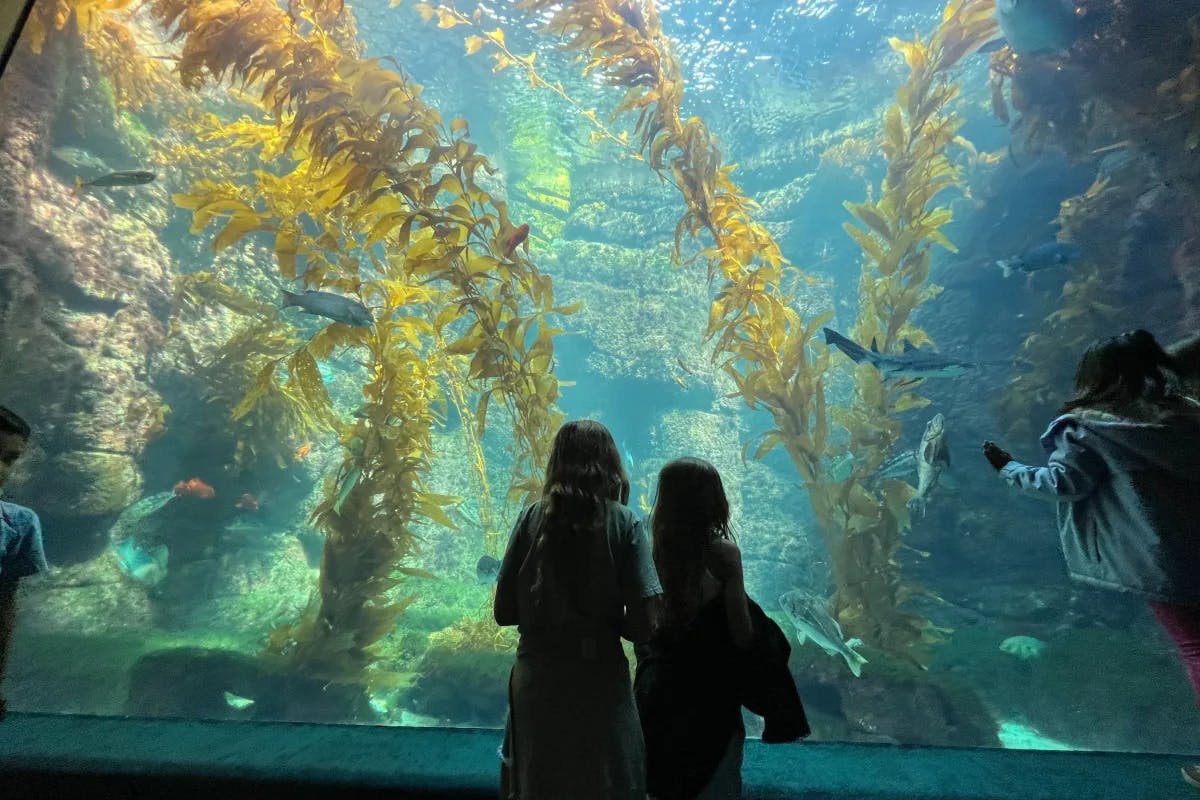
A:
(17, 516)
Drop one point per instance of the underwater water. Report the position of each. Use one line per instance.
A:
(520, 213)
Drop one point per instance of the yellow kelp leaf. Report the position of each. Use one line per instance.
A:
(897, 137)
(502, 62)
(237, 227)
(908, 402)
(473, 44)
(286, 247)
(447, 19)
(458, 124)
(868, 213)
(464, 346)
(264, 382)
(940, 238)
(915, 53)
(868, 244)
(496, 36)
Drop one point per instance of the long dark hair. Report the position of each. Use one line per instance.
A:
(690, 510)
(583, 474)
(1115, 374)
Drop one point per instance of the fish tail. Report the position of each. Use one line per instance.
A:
(855, 662)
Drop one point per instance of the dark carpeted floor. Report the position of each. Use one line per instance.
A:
(65, 757)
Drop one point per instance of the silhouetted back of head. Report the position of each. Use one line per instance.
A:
(584, 468)
(1121, 371)
(11, 423)
(690, 510)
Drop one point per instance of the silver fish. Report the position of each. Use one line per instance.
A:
(810, 617)
(933, 457)
(135, 177)
(912, 364)
(331, 306)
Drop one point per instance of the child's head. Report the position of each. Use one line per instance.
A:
(1120, 371)
(690, 510)
(14, 434)
(585, 464)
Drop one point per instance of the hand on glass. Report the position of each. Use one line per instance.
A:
(996, 455)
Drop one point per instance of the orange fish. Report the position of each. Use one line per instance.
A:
(247, 502)
(303, 450)
(517, 239)
(195, 488)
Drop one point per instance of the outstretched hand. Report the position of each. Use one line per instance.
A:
(997, 456)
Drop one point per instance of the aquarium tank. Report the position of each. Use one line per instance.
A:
(295, 296)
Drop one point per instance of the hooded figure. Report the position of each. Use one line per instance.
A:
(1128, 494)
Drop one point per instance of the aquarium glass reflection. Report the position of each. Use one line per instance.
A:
(296, 294)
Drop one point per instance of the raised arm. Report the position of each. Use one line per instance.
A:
(1072, 472)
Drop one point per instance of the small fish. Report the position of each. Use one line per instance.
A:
(302, 451)
(237, 703)
(331, 306)
(194, 487)
(810, 617)
(683, 365)
(1043, 256)
(487, 570)
(1026, 648)
(247, 502)
(348, 483)
(1038, 26)
(933, 458)
(131, 178)
(911, 364)
(147, 568)
(517, 239)
(680, 382)
(79, 159)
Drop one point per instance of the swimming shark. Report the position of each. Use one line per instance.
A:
(912, 364)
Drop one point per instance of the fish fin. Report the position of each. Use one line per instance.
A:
(874, 345)
(908, 346)
(289, 299)
(856, 664)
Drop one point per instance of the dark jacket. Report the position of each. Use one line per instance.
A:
(1128, 494)
(690, 690)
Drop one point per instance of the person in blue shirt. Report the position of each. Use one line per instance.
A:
(1124, 469)
(21, 552)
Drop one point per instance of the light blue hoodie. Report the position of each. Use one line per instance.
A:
(1128, 494)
